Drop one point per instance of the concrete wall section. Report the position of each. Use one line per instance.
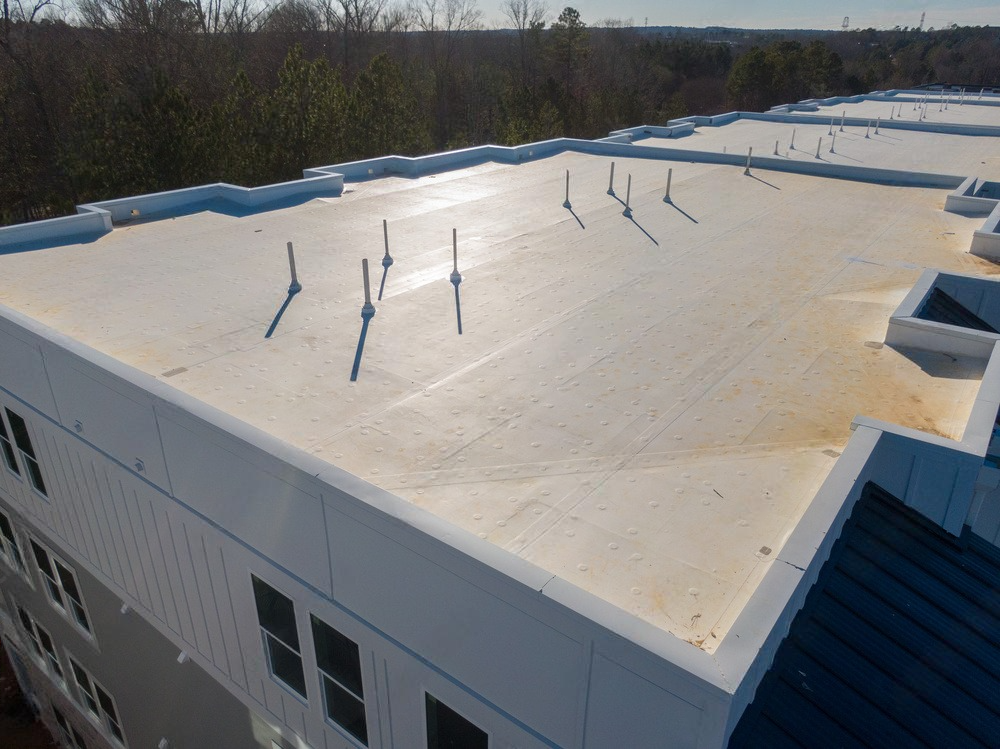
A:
(986, 240)
(168, 203)
(973, 197)
(87, 225)
(979, 295)
(933, 475)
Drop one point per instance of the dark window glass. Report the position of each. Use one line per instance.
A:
(276, 613)
(8, 533)
(23, 441)
(68, 580)
(78, 740)
(25, 619)
(106, 703)
(446, 729)
(60, 719)
(344, 709)
(20, 430)
(108, 706)
(42, 558)
(338, 656)
(286, 664)
(50, 651)
(7, 449)
(86, 691)
(36, 476)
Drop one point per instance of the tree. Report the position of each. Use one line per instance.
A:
(569, 40)
(528, 19)
(444, 23)
(303, 119)
(384, 117)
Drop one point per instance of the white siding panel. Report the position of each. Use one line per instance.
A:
(227, 615)
(265, 510)
(22, 371)
(625, 709)
(209, 602)
(159, 568)
(447, 619)
(115, 416)
(170, 573)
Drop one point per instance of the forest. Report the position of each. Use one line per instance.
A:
(107, 98)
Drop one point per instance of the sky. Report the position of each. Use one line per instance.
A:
(787, 14)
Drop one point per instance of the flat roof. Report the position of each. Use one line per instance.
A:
(891, 148)
(644, 407)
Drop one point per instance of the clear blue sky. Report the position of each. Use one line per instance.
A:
(812, 14)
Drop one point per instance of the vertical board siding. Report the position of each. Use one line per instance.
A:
(169, 572)
(194, 544)
(158, 563)
(84, 513)
(56, 483)
(73, 533)
(133, 567)
(107, 520)
(227, 613)
(210, 601)
(134, 509)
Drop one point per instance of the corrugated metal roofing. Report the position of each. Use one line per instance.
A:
(942, 307)
(898, 643)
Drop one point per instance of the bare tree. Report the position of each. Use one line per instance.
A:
(527, 18)
(444, 23)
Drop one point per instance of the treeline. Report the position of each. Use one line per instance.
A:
(128, 96)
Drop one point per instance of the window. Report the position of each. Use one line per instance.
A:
(71, 737)
(446, 729)
(64, 727)
(23, 442)
(10, 549)
(339, 665)
(276, 614)
(60, 582)
(41, 644)
(28, 624)
(78, 741)
(97, 702)
(8, 450)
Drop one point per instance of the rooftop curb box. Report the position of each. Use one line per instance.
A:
(169, 505)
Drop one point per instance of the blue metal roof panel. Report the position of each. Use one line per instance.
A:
(898, 643)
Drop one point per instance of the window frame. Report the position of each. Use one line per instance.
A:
(48, 656)
(14, 559)
(71, 737)
(64, 725)
(8, 450)
(29, 460)
(460, 713)
(55, 587)
(265, 643)
(97, 712)
(323, 674)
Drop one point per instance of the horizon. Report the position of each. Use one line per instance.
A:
(808, 15)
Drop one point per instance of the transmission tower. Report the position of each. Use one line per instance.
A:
(846, 23)
(922, 17)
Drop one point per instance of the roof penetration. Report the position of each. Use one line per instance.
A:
(898, 643)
